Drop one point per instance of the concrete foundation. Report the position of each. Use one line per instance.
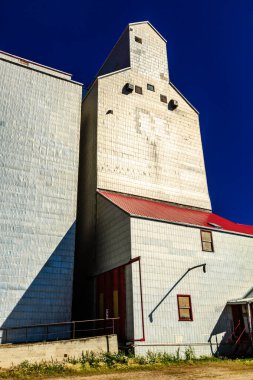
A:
(60, 350)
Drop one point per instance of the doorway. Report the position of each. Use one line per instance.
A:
(111, 298)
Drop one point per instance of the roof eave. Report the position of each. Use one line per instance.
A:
(175, 222)
(36, 63)
(186, 224)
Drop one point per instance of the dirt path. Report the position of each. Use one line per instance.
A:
(192, 372)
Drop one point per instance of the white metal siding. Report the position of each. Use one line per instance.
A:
(39, 134)
(167, 251)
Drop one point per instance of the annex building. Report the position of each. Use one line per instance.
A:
(133, 234)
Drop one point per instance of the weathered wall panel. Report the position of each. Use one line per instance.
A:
(145, 149)
(113, 249)
(39, 134)
(149, 58)
(167, 251)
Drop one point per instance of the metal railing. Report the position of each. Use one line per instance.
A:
(240, 336)
(59, 331)
(236, 330)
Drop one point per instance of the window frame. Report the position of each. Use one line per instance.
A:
(150, 87)
(205, 241)
(163, 98)
(139, 87)
(189, 308)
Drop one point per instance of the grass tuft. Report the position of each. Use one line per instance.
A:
(89, 362)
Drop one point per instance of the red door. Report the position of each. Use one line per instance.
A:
(111, 299)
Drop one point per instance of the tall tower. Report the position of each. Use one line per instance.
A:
(39, 134)
(139, 136)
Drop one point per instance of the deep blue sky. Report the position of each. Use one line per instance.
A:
(210, 52)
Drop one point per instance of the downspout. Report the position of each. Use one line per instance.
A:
(142, 312)
(250, 323)
(166, 295)
(142, 339)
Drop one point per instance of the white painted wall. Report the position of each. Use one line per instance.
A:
(144, 148)
(113, 249)
(149, 58)
(39, 134)
(167, 251)
(113, 243)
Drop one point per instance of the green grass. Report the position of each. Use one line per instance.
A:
(90, 363)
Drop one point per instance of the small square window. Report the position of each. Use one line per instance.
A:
(138, 89)
(150, 87)
(138, 39)
(163, 98)
(207, 241)
(184, 307)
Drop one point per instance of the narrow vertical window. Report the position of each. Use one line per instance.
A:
(184, 307)
(207, 241)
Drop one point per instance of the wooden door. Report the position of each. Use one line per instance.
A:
(111, 299)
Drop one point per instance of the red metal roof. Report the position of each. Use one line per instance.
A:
(165, 212)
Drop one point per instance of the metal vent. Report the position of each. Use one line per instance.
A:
(138, 39)
(173, 104)
(129, 87)
(214, 225)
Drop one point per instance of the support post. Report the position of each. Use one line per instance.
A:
(74, 330)
(250, 324)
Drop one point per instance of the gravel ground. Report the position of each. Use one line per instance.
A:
(186, 372)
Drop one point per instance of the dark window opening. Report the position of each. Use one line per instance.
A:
(138, 39)
(207, 241)
(184, 307)
(150, 87)
(138, 89)
(163, 98)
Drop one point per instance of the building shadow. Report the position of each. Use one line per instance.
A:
(231, 336)
(221, 337)
(47, 300)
